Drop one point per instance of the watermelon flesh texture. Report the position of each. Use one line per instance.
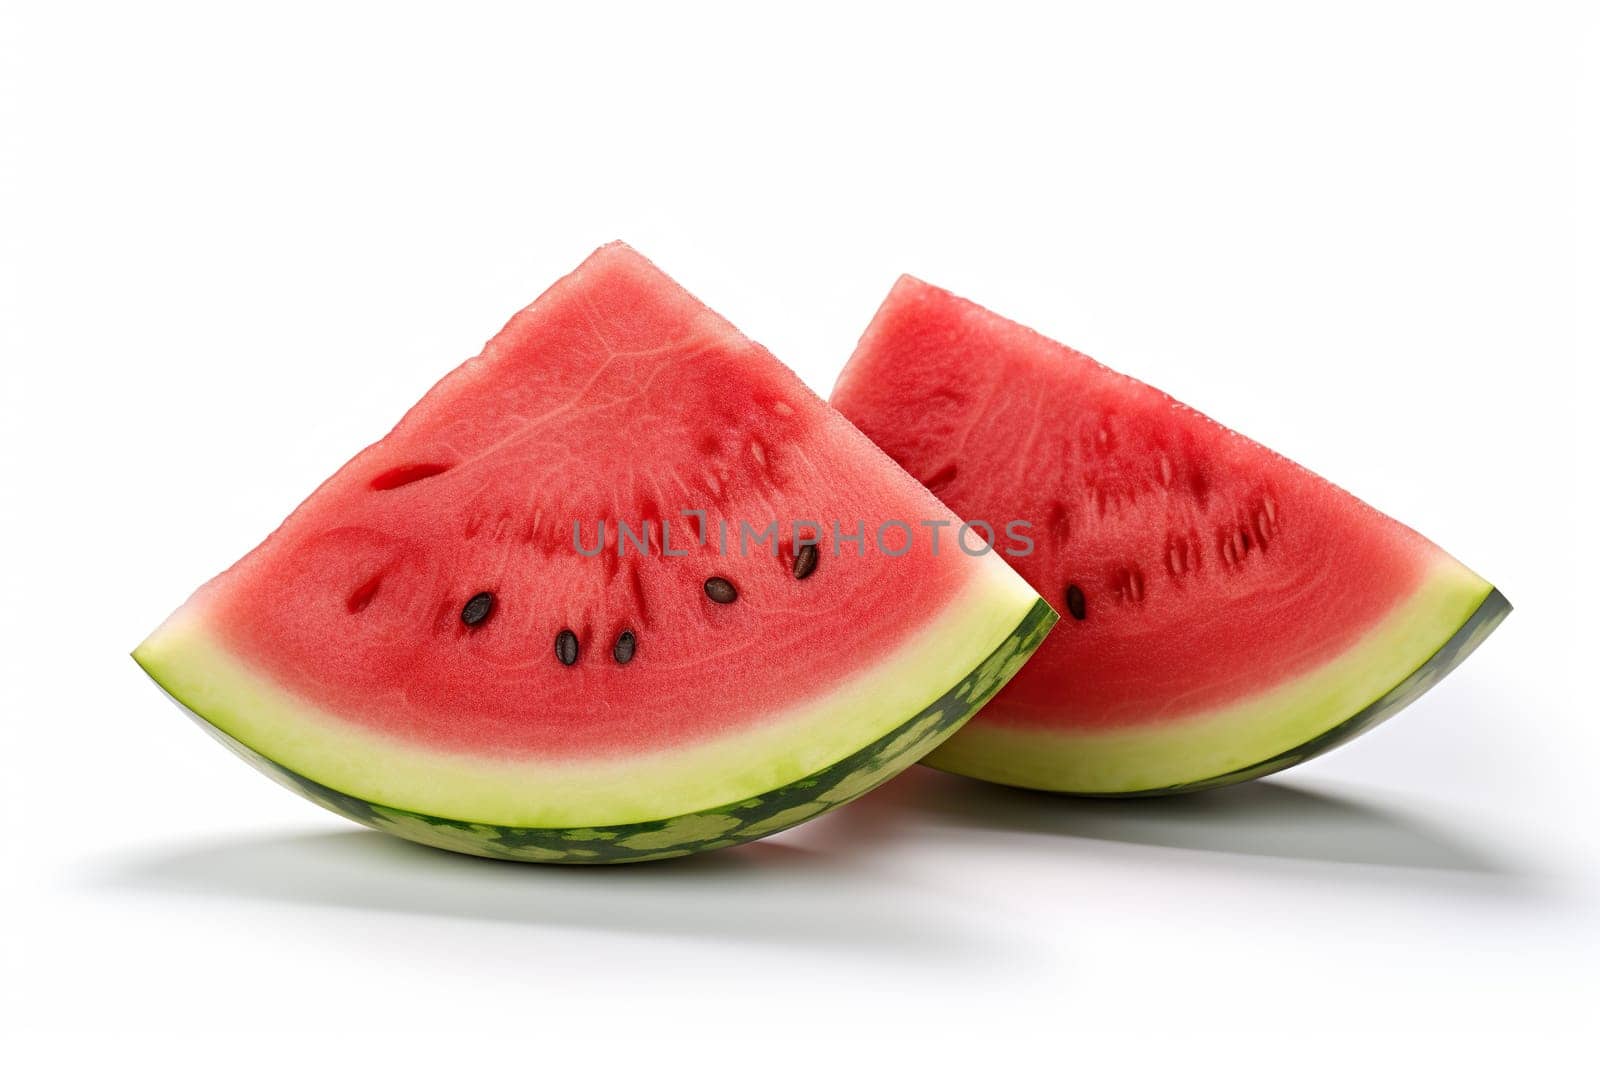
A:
(596, 703)
(1225, 612)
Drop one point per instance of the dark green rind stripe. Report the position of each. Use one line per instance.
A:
(718, 827)
(1490, 613)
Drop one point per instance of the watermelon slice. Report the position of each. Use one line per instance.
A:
(526, 624)
(1225, 613)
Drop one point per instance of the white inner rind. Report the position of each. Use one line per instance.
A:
(1232, 736)
(783, 744)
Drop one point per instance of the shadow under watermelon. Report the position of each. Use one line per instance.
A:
(1262, 819)
(764, 892)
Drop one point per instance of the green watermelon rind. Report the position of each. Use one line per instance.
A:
(717, 827)
(1440, 637)
(1489, 614)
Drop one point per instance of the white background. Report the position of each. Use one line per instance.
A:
(236, 246)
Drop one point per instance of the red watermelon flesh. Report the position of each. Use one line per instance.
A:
(597, 689)
(656, 406)
(1221, 606)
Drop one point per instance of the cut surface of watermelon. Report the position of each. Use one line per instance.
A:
(1225, 612)
(539, 619)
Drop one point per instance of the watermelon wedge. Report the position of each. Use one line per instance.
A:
(528, 623)
(1225, 612)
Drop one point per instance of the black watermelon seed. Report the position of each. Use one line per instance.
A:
(478, 609)
(567, 647)
(721, 590)
(623, 650)
(805, 561)
(1077, 606)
